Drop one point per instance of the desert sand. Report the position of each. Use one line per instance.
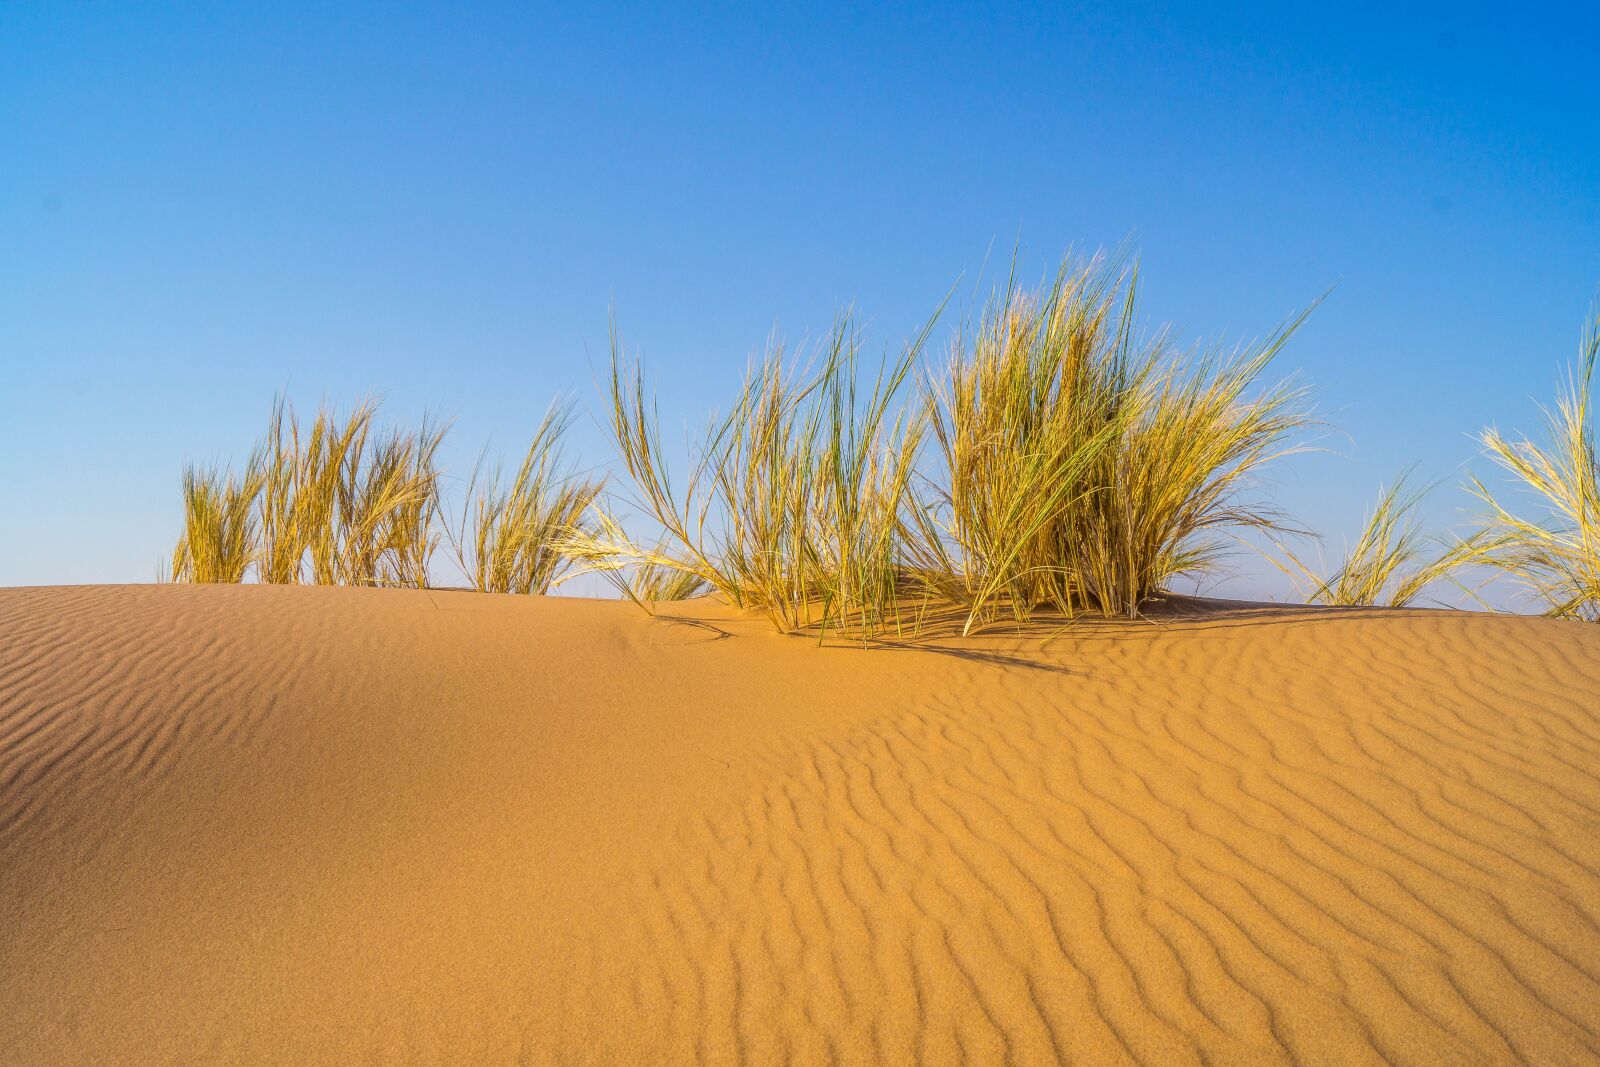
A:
(307, 825)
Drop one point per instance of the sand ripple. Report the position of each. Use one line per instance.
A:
(387, 826)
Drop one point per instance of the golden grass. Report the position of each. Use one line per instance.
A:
(1391, 562)
(792, 506)
(653, 583)
(1080, 470)
(510, 537)
(337, 504)
(346, 504)
(219, 538)
(1554, 549)
(1028, 402)
(1073, 466)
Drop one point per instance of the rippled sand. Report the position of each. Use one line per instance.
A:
(275, 825)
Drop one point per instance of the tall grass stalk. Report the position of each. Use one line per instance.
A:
(511, 538)
(1553, 548)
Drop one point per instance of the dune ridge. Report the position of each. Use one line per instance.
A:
(256, 824)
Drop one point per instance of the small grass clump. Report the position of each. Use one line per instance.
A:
(511, 537)
(336, 503)
(1553, 549)
(1029, 402)
(793, 504)
(1391, 562)
(658, 583)
(1079, 470)
(219, 531)
(345, 504)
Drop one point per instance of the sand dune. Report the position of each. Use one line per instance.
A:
(283, 825)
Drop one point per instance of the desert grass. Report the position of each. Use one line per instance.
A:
(1391, 562)
(1029, 401)
(793, 503)
(218, 543)
(346, 503)
(868, 459)
(1548, 540)
(1057, 460)
(1080, 469)
(338, 502)
(655, 583)
(510, 537)
(646, 575)
(388, 506)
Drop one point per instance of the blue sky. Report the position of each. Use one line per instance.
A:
(202, 205)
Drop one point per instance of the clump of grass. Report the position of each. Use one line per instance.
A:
(340, 503)
(1201, 433)
(1075, 467)
(643, 575)
(792, 506)
(867, 460)
(656, 580)
(219, 538)
(1391, 562)
(511, 538)
(658, 583)
(1079, 470)
(387, 502)
(1029, 401)
(1554, 550)
(300, 498)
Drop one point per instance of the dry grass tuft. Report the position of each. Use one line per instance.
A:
(337, 504)
(511, 537)
(1555, 552)
(657, 583)
(645, 576)
(792, 507)
(1081, 471)
(219, 539)
(1391, 562)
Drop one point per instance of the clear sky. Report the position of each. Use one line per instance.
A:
(201, 205)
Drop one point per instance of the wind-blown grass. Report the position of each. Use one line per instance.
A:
(511, 537)
(1030, 400)
(655, 583)
(646, 576)
(1081, 471)
(1056, 461)
(337, 504)
(792, 506)
(1391, 562)
(1552, 549)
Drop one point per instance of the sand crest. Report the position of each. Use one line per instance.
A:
(274, 825)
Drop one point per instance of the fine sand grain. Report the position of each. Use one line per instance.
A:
(305, 825)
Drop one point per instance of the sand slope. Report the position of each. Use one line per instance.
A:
(275, 825)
